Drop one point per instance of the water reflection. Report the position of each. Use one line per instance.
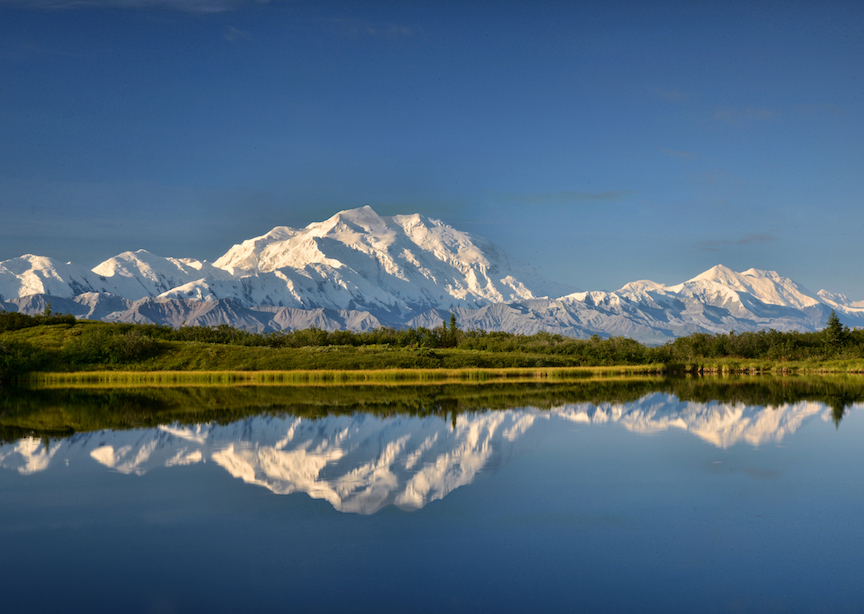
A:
(721, 424)
(360, 462)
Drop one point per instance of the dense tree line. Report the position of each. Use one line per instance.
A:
(102, 343)
(12, 320)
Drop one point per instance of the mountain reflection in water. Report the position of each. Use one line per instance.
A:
(360, 462)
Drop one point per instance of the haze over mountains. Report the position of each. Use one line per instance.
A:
(359, 270)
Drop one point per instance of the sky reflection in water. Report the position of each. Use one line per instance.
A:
(656, 504)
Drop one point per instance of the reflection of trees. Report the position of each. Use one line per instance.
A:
(769, 391)
(838, 404)
(62, 412)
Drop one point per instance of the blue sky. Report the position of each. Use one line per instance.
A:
(601, 142)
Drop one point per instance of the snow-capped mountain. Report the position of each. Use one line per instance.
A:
(360, 260)
(360, 463)
(360, 270)
(356, 260)
(766, 286)
(29, 275)
(137, 275)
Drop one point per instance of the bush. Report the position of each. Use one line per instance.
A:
(105, 346)
(13, 320)
(18, 358)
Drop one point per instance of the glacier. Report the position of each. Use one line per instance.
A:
(358, 270)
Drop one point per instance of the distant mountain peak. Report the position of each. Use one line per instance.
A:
(360, 269)
(761, 273)
(357, 259)
(767, 286)
(718, 273)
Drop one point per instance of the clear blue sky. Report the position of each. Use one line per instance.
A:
(602, 142)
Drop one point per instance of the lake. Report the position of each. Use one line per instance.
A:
(693, 494)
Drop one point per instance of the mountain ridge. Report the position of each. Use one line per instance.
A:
(360, 270)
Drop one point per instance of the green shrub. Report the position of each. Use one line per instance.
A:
(17, 358)
(13, 320)
(106, 346)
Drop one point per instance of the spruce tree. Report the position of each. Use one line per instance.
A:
(835, 333)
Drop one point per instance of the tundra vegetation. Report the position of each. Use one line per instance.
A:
(52, 343)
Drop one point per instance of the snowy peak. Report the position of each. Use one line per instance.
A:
(446, 243)
(140, 274)
(398, 264)
(31, 274)
(719, 274)
(395, 266)
(353, 226)
(766, 286)
(405, 270)
(142, 263)
(354, 260)
(246, 255)
(363, 232)
(839, 301)
(641, 286)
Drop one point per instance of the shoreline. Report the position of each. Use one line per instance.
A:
(428, 376)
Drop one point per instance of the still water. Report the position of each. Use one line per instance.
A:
(658, 496)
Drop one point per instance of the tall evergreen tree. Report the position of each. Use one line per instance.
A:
(452, 332)
(835, 333)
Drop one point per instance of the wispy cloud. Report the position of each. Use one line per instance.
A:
(564, 197)
(736, 115)
(186, 6)
(716, 245)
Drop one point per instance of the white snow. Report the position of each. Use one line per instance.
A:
(405, 269)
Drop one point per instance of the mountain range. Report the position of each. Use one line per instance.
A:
(358, 270)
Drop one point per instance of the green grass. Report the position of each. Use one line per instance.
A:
(94, 350)
(57, 342)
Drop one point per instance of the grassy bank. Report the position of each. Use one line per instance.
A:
(139, 375)
(43, 347)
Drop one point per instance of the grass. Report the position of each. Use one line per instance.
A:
(55, 341)
(395, 376)
(193, 362)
